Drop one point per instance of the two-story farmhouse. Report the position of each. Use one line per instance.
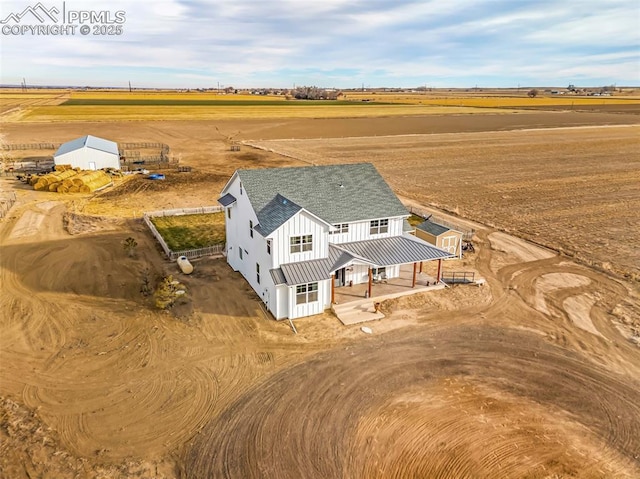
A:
(296, 234)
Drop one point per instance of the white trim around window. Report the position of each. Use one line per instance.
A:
(306, 293)
(299, 244)
(379, 226)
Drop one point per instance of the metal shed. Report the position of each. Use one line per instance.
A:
(88, 153)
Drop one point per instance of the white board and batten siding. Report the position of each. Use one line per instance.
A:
(254, 249)
(361, 231)
(300, 224)
(280, 308)
(315, 307)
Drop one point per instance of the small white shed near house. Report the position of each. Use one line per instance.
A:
(88, 153)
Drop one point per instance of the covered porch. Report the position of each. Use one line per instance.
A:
(356, 304)
(405, 283)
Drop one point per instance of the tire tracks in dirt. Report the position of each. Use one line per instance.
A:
(326, 416)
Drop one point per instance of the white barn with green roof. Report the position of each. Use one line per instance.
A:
(297, 234)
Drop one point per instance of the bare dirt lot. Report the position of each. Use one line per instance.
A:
(536, 374)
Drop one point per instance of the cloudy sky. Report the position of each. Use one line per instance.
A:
(330, 43)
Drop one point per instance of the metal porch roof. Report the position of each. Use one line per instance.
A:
(394, 250)
(377, 252)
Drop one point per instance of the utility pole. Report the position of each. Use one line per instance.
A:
(130, 86)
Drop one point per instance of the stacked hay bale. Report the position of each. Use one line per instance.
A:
(92, 181)
(63, 167)
(47, 182)
(71, 181)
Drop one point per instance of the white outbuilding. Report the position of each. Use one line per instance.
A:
(88, 153)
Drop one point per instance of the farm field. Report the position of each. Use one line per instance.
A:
(533, 375)
(512, 100)
(103, 106)
(43, 106)
(575, 190)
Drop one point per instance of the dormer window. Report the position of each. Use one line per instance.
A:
(379, 226)
(340, 228)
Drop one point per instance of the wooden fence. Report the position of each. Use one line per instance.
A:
(30, 146)
(6, 203)
(163, 147)
(202, 210)
(142, 146)
(189, 253)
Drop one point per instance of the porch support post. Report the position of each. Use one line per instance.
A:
(438, 277)
(421, 266)
(370, 281)
(333, 287)
(413, 282)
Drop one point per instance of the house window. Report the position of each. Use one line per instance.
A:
(229, 213)
(258, 273)
(341, 228)
(268, 246)
(306, 293)
(240, 252)
(378, 271)
(251, 228)
(301, 243)
(379, 226)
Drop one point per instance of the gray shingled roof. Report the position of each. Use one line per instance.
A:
(90, 142)
(433, 228)
(377, 252)
(334, 193)
(274, 214)
(227, 199)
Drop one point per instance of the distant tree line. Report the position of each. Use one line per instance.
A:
(314, 93)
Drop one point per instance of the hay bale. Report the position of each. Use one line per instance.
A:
(74, 189)
(86, 177)
(85, 189)
(54, 186)
(99, 181)
(40, 186)
(62, 167)
(62, 189)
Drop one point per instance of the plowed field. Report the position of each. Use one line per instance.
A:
(573, 189)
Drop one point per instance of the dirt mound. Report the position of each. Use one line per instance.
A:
(31, 449)
(75, 223)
